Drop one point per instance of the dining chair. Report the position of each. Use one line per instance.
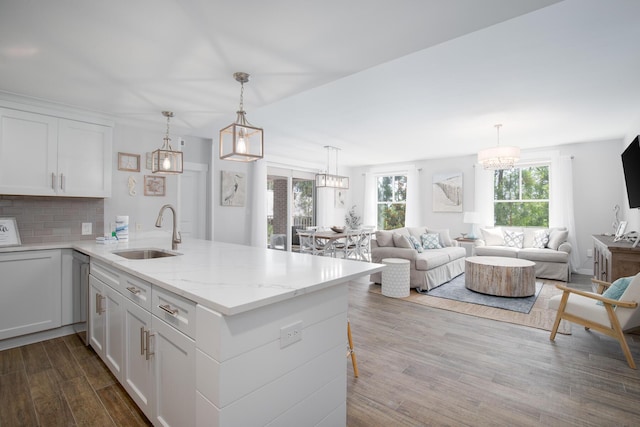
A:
(309, 243)
(601, 312)
(364, 243)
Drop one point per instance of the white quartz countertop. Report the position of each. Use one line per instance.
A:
(225, 277)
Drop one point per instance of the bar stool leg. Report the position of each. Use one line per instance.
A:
(351, 352)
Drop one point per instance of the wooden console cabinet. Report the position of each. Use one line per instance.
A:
(612, 260)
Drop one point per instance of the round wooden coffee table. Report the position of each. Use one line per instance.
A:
(504, 277)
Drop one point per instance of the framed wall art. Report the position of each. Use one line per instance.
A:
(154, 185)
(129, 162)
(9, 234)
(234, 188)
(447, 192)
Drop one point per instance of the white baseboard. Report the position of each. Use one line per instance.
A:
(36, 337)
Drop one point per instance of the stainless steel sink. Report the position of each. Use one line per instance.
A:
(148, 253)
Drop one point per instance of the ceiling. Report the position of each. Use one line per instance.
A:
(384, 81)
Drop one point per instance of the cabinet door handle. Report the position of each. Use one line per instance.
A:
(53, 181)
(141, 340)
(168, 309)
(99, 308)
(133, 290)
(147, 338)
(62, 182)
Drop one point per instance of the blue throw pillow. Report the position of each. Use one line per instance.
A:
(416, 244)
(431, 241)
(617, 288)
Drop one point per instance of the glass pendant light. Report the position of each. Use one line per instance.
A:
(499, 157)
(328, 179)
(164, 160)
(241, 141)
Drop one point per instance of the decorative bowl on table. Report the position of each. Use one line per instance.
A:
(337, 229)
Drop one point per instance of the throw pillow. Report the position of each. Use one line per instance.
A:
(513, 239)
(616, 289)
(556, 238)
(541, 239)
(416, 244)
(384, 238)
(492, 236)
(431, 241)
(401, 241)
(445, 238)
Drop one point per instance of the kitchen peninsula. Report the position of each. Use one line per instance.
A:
(223, 334)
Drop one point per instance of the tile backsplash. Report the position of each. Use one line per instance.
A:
(53, 219)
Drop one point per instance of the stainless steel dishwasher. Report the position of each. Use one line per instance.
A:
(80, 283)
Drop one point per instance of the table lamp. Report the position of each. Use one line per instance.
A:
(472, 218)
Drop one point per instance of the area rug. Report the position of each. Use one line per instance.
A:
(540, 316)
(456, 290)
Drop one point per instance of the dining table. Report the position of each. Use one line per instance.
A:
(330, 242)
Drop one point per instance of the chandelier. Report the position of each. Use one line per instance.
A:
(241, 141)
(164, 160)
(499, 157)
(328, 179)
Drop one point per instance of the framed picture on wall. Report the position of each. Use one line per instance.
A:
(234, 188)
(9, 234)
(154, 185)
(340, 197)
(447, 192)
(129, 162)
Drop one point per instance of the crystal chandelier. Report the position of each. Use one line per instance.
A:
(241, 141)
(329, 180)
(499, 157)
(164, 160)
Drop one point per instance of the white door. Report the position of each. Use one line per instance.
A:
(193, 201)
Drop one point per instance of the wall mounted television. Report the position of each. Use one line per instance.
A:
(631, 167)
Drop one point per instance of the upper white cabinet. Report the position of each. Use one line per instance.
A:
(45, 155)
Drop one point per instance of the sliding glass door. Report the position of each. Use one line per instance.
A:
(291, 199)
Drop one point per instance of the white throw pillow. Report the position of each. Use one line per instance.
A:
(384, 238)
(401, 241)
(492, 236)
(513, 239)
(445, 238)
(556, 238)
(540, 239)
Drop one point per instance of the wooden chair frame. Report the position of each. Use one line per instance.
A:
(615, 331)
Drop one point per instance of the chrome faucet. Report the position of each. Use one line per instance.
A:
(175, 238)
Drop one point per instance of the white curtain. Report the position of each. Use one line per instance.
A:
(412, 213)
(484, 195)
(561, 212)
(369, 211)
(259, 207)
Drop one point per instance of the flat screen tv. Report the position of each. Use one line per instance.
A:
(631, 166)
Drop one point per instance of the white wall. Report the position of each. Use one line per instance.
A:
(598, 187)
(143, 210)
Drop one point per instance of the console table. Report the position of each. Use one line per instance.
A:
(612, 260)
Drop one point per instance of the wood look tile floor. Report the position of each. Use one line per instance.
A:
(60, 382)
(422, 366)
(419, 366)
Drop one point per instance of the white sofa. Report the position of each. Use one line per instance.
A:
(428, 269)
(551, 255)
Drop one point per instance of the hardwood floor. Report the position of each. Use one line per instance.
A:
(61, 382)
(419, 366)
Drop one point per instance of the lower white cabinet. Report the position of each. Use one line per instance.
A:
(30, 292)
(158, 361)
(106, 306)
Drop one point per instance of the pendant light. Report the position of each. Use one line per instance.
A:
(499, 157)
(164, 160)
(329, 180)
(241, 141)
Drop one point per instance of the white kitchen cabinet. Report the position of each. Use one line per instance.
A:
(158, 362)
(137, 376)
(30, 292)
(47, 155)
(106, 324)
(174, 376)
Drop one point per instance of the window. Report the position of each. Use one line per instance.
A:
(521, 196)
(392, 199)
